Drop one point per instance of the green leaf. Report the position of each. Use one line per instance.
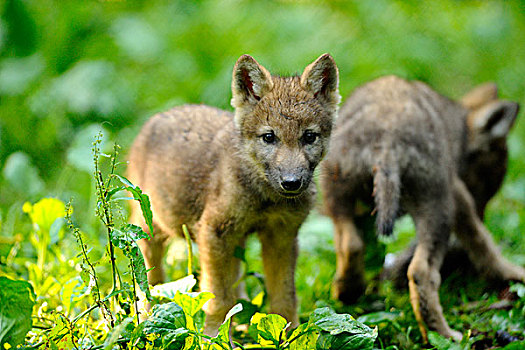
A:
(114, 191)
(125, 239)
(248, 310)
(44, 213)
(379, 317)
(21, 174)
(519, 289)
(338, 323)
(124, 181)
(240, 253)
(223, 336)
(165, 318)
(175, 340)
(442, 343)
(346, 341)
(341, 331)
(143, 200)
(168, 321)
(114, 335)
(16, 308)
(73, 291)
(518, 345)
(135, 232)
(168, 290)
(269, 327)
(304, 337)
(258, 299)
(192, 302)
(320, 313)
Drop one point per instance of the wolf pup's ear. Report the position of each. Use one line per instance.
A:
(480, 96)
(322, 78)
(495, 119)
(250, 82)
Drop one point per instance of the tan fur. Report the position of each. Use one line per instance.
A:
(217, 173)
(402, 147)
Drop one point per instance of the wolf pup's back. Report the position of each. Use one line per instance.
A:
(173, 157)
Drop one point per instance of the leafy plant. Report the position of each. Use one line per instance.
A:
(16, 308)
(108, 321)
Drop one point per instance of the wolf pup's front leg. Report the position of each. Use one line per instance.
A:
(219, 269)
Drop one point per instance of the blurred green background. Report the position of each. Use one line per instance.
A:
(71, 68)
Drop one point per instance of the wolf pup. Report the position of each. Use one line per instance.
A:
(227, 175)
(403, 148)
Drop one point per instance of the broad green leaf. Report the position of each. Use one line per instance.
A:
(378, 317)
(341, 331)
(255, 332)
(320, 313)
(168, 321)
(304, 337)
(45, 212)
(73, 291)
(20, 173)
(177, 339)
(125, 239)
(192, 302)
(442, 343)
(168, 290)
(518, 345)
(337, 323)
(346, 341)
(248, 310)
(135, 232)
(165, 317)
(258, 299)
(16, 306)
(270, 327)
(224, 330)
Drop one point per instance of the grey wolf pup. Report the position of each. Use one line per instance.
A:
(404, 148)
(228, 175)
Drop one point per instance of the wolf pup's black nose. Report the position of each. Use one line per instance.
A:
(291, 185)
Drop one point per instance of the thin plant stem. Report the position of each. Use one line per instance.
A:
(92, 272)
(104, 211)
(190, 249)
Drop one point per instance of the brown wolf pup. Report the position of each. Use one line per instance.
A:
(403, 148)
(227, 175)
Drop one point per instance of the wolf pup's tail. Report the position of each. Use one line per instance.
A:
(386, 191)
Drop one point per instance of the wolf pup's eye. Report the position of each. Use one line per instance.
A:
(269, 137)
(309, 137)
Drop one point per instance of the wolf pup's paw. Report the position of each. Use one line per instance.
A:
(348, 290)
